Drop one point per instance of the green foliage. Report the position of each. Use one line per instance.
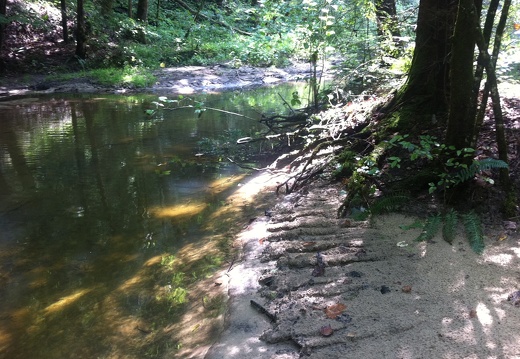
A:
(176, 296)
(168, 261)
(450, 220)
(452, 162)
(430, 229)
(389, 203)
(474, 233)
(280, 31)
(450, 225)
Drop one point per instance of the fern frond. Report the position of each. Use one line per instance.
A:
(474, 233)
(450, 226)
(430, 229)
(389, 203)
(477, 167)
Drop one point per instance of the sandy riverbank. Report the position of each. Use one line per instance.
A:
(382, 294)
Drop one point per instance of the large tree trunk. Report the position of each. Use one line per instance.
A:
(81, 32)
(461, 120)
(423, 98)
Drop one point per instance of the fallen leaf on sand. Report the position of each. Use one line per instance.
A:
(334, 310)
(406, 289)
(472, 313)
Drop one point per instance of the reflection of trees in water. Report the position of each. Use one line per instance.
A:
(9, 140)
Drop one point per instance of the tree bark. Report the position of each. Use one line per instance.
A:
(461, 124)
(3, 12)
(423, 98)
(492, 81)
(494, 56)
(142, 10)
(386, 15)
(81, 33)
(65, 29)
(479, 71)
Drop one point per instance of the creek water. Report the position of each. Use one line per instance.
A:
(96, 196)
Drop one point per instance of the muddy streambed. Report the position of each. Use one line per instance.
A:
(111, 221)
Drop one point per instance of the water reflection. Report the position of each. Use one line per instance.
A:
(95, 198)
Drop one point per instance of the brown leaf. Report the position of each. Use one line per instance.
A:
(406, 288)
(326, 330)
(472, 313)
(308, 244)
(334, 310)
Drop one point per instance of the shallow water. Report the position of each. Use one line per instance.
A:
(93, 193)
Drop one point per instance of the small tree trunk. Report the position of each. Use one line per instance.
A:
(142, 10)
(130, 14)
(494, 56)
(3, 11)
(81, 33)
(386, 15)
(65, 30)
(492, 81)
(479, 71)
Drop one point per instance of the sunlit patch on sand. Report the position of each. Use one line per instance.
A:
(502, 259)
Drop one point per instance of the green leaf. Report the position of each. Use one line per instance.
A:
(474, 232)
(430, 229)
(450, 226)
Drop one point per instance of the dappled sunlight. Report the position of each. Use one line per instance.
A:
(131, 282)
(502, 259)
(66, 301)
(179, 210)
(200, 325)
(484, 315)
(5, 339)
(195, 251)
(224, 183)
(153, 261)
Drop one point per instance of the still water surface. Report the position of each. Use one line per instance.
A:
(93, 193)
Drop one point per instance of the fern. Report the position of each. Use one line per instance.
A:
(430, 229)
(478, 166)
(450, 226)
(474, 233)
(389, 203)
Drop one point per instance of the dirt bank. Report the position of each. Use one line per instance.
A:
(177, 80)
(379, 294)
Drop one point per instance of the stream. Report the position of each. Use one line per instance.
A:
(98, 200)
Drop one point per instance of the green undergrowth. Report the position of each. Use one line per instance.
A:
(449, 223)
(124, 77)
(395, 171)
